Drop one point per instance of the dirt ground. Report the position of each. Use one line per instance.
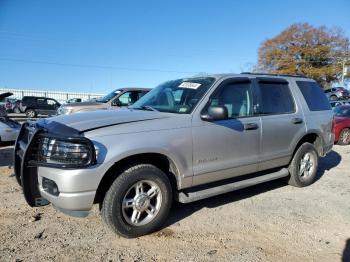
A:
(269, 222)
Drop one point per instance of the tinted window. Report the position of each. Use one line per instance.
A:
(236, 97)
(41, 101)
(314, 97)
(275, 98)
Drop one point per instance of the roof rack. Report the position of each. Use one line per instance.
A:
(267, 74)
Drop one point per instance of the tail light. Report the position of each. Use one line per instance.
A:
(333, 125)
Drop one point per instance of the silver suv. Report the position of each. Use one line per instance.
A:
(185, 140)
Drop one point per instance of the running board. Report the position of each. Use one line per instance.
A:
(191, 196)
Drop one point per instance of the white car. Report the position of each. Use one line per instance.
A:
(9, 130)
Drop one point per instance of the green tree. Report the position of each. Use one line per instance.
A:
(316, 52)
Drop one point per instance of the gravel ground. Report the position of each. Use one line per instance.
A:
(269, 222)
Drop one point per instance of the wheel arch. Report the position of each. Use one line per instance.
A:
(162, 161)
(314, 138)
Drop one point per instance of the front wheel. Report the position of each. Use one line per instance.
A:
(303, 167)
(138, 202)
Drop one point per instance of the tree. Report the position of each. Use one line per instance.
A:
(316, 52)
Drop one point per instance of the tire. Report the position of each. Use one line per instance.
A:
(344, 137)
(333, 98)
(120, 217)
(30, 113)
(301, 176)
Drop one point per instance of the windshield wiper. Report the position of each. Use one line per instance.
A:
(148, 108)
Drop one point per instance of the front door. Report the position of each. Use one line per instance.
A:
(230, 147)
(52, 106)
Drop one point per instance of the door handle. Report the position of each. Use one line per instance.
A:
(297, 120)
(250, 126)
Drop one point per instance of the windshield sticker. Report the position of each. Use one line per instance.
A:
(189, 85)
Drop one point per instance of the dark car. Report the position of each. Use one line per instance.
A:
(337, 93)
(33, 106)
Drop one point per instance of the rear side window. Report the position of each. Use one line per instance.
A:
(314, 96)
(276, 98)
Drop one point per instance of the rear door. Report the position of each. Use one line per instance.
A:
(282, 122)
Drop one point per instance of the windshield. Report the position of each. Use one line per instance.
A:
(343, 111)
(108, 97)
(176, 96)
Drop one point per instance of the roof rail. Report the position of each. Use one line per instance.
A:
(268, 74)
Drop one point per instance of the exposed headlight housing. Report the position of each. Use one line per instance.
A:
(67, 153)
(63, 110)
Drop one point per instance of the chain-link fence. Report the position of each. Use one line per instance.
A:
(59, 96)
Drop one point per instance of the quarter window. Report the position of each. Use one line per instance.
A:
(316, 100)
(276, 98)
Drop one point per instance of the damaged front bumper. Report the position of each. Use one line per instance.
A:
(70, 190)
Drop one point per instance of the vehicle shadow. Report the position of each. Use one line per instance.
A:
(180, 211)
(6, 154)
(346, 252)
(331, 160)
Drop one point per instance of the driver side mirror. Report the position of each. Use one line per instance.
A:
(215, 113)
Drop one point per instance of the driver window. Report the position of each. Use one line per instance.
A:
(236, 97)
(128, 98)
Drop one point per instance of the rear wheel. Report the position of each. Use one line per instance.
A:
(138, 202)
(303, 167)
(344, 137)
(30, 113)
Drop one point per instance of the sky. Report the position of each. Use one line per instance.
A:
(97, 46)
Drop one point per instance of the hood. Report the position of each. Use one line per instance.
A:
(88, 121)
(7, 94)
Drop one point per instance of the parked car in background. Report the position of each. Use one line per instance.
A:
(118, 98)
(32, 106)
(3, 103)
(339, 103)
(4, 98)
(13, 105)
(337, 93)
(74, 100)
(186, 140)
(9, 129)
(342, 124)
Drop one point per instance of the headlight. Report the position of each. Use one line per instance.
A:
(69, 153)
